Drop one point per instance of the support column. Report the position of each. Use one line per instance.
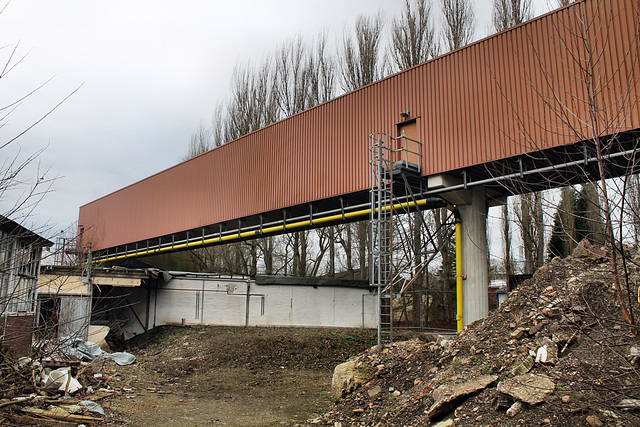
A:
(474, 257)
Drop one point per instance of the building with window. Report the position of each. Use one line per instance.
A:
(20, 256)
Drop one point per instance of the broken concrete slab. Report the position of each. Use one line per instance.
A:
(448, 395)
(530, 388)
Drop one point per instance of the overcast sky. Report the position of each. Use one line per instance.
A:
(148, 73)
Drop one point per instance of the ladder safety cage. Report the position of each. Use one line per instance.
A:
(388, 154)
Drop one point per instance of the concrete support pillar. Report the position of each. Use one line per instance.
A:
(474, 257)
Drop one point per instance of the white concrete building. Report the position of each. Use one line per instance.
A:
(206, 299)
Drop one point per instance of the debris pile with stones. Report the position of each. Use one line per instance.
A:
(557, 352)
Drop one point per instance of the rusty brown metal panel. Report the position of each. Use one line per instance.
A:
(496, 98)
(17, 332)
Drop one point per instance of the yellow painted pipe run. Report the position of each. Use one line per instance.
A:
(267, 230)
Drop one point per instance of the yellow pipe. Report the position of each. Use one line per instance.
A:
(459, 276)
(268, 230)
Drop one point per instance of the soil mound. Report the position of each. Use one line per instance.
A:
(556, 353)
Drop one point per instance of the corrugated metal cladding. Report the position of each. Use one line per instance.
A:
(496, 98)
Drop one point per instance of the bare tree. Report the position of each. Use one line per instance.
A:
(506, 238)
(529, 216)
(413, 35)
(361, 59)
(564, 236)
(458, 25)
(508, 13)
(561, 3)
(253, 103)
(323, 74)
(633, 191)
(589, 222)
(292, 79)
(200, 142)
(361, 63)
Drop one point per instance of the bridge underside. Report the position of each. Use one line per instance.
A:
(557, 167)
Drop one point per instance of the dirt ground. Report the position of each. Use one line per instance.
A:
(227, 376)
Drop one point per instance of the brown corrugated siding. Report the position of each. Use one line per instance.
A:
(490, 100)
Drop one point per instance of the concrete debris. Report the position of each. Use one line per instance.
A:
(373, 392)
(525, 366)
(448, 395)
(629, 404)
(518, 334)
(514, 409)
(444, 423)
(530, 388)
(594, 421)
(586, 250)
(634, 355)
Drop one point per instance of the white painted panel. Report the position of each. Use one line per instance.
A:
(220, 302)
(74, 317)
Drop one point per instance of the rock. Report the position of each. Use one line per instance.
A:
(586, 250)
(348, 376)
(514, 409)
(608, 414)
(373, 392)
(594, 421)
(448, 395)
(523, 367)
(537, 328)
(561, 337)
(530, 388)
(518, 334)
(566, 398)
(444, 423)
(501, 401)
(396, 393)
(629, 404)
(634, 355)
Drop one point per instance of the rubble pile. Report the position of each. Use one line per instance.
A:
(57, 390)
(556, 353)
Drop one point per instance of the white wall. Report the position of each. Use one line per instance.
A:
(215, 301)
